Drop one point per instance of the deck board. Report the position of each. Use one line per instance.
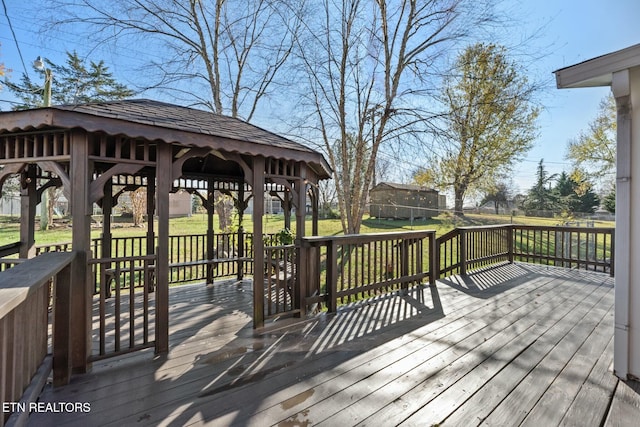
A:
(625, 408)
(555, 318)
(515, 344)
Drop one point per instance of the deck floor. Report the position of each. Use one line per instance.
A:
(514, 345)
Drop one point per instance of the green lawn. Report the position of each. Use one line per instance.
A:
(10, 227)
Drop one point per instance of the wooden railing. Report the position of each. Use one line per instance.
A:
(341, 269)
(125, 308)
(471, 248)
(10, 249)
(24, 325)
(468, 248)
(588, 248)
(185, 254)
(281, 293)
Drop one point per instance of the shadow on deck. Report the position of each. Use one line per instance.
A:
(518, 344)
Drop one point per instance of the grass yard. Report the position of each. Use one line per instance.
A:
(10, 226)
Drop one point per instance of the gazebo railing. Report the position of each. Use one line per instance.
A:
(186, 253)
(125, 303)
(281, 290)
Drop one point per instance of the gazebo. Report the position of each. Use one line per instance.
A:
(88, 149)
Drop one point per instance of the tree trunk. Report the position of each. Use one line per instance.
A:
(457, 209)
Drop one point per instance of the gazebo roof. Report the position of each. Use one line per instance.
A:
(154, 120)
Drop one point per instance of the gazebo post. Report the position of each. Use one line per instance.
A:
(107, 209)
(28, 202)
(164, 182)
(241, 207)
(81, 293)
(258, 243)
(151, 208)
(314, 209)
(301, 267)
(286, 207)
(210, 228)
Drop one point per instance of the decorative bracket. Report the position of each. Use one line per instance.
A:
(58, 170)
(97, 186)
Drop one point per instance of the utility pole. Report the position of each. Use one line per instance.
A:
(46, 101)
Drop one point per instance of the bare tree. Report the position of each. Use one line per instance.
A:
(138, 205)
(222, 54)
(369, 66)
(224, 206)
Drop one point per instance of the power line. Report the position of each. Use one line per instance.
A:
(4, 5)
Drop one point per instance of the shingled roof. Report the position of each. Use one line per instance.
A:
(153, 120)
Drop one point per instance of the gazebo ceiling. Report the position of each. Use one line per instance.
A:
(181, 126)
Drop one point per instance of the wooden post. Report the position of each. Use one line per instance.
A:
(82, 286)
(105, 252)
(28, 202)
(403, 252)
(151, 208)
(332, 275)
(210, 232)
(151, 236)
(286, 207)
(62, 328)
(164, 182)
(302, 281)
(241, 207)
(315, 207)
(258, 243)
(510, 246)
(463, 252)
(434, 260)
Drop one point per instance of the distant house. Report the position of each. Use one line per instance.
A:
(401, 201)
(180, 204)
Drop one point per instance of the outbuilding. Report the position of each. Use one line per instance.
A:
(403, 201)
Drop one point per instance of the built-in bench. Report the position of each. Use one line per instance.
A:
(282, 273)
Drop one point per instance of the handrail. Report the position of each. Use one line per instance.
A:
(468, 248)
(369, 237)
(344, 268)
(24, 302)
(9, 249)
(185, 252)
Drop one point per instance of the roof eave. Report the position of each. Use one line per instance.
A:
(598, 71)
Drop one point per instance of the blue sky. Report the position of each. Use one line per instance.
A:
(573, 31)
(578, 30)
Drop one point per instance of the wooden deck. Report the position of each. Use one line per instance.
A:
(514, 345)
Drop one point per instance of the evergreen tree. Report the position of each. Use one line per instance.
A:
(565, 190)
(575, 195)
(610, 201)
(75, 82)
(541, 199)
